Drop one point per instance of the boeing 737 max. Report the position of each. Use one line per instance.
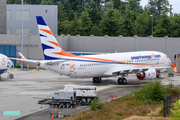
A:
(145, 64)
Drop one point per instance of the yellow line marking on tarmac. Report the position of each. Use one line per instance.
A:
(27, 70)
(14, 102)
(119, 86)
(165, 79)
(106, 89)
(41, 83)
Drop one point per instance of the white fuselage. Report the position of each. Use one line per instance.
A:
(5, 63)
(98, 66)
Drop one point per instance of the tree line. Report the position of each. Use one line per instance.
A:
(113, 17)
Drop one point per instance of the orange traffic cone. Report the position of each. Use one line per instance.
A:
(57, 111)
(52, 116)
(53, 109)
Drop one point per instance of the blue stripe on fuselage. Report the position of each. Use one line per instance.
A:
(2, 71)
(68, 59)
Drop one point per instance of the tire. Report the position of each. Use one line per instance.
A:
(61, 105)
(82, 104)
(83, 100)
(89, 100)
(94, 79)
(68, 105)
(99, 79)
(159, 76)
(120, 80)
(124, 81)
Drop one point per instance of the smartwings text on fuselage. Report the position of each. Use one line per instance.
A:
(145, 57)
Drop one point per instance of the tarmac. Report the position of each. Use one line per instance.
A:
(22, 93)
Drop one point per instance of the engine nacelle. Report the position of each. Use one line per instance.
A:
(149, 74)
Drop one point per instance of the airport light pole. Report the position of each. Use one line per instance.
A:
(152, 24)
(22, 31)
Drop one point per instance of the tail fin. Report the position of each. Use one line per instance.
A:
(173, 66)
(50, 46)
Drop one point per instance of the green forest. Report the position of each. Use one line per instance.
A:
(113, 17)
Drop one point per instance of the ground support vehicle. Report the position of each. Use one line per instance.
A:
(61, 99)
(84, 94)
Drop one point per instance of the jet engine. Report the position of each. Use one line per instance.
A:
(149, 74)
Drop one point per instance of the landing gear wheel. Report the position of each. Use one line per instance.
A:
(93, 80)
(99, 79)
(120, 80)
(159, 76)
(124, 81)
(96, 79)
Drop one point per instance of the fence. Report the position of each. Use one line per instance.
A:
(168, 102)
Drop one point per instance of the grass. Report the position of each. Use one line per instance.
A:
(119, 108)
(135, 104)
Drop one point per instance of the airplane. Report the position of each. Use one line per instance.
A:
(5, 64)
(145, 64)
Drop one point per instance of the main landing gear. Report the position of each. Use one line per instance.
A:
(96, 79)
(122, 80)
(158, 75)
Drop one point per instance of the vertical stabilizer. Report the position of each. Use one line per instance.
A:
(50, 46)
(173, 66)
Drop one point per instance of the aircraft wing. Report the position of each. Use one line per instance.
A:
(117, 71)
(48, 62)
(54, 62)
(24, 59)
(27, 60)
(128, 71)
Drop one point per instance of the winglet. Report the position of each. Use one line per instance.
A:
(173, 66)
(22, 56)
